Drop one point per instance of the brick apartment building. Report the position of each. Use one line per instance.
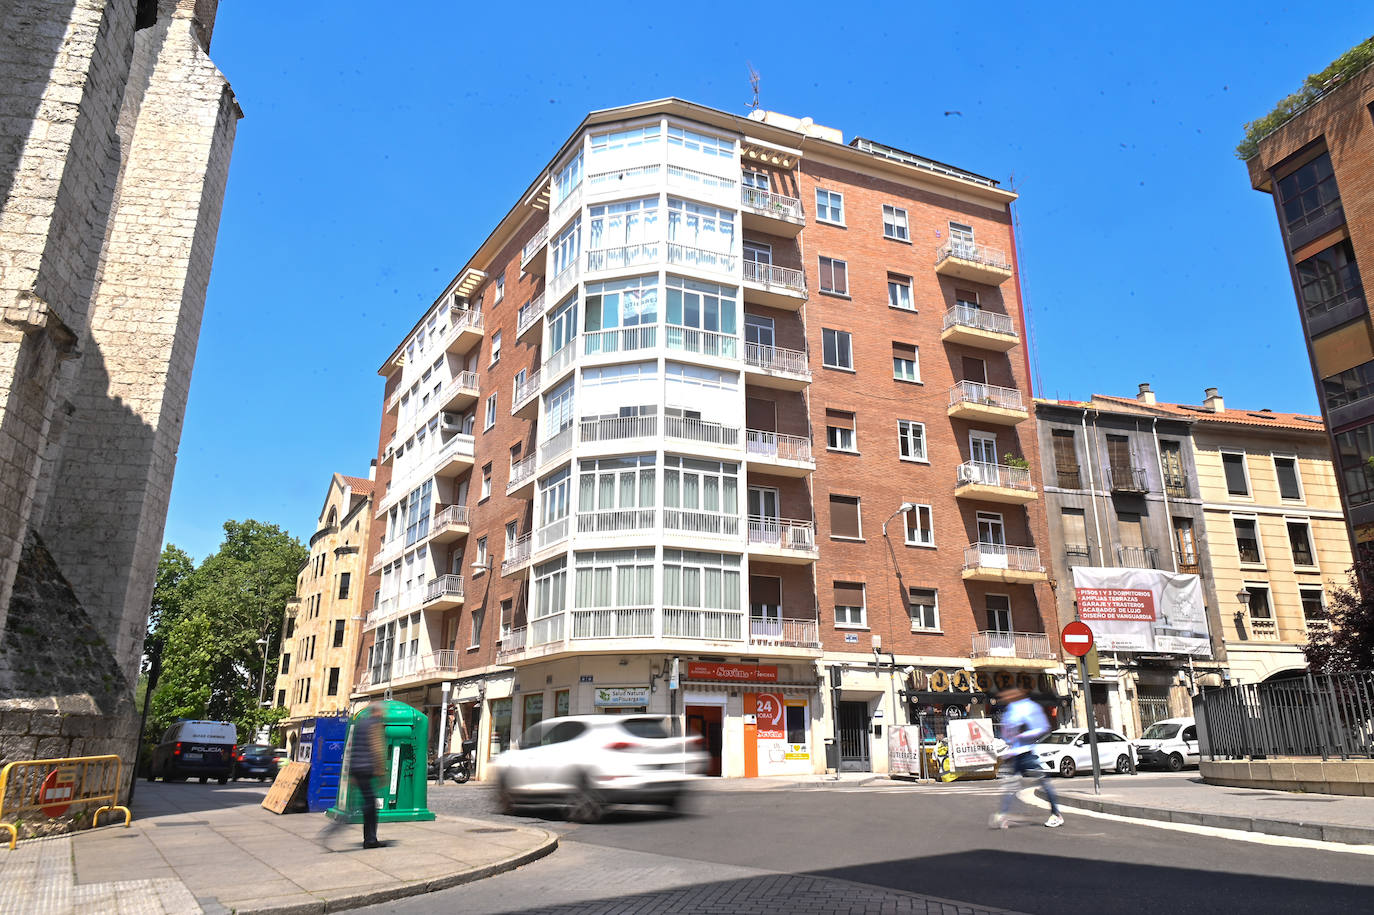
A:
(727, 419)
(323, 622)
(1319, 168)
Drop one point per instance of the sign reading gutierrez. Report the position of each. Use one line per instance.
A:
(1143, 610)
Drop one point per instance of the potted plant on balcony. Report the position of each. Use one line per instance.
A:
(1019, 463)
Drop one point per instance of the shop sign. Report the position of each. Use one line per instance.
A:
(613, 696)
(769, 716)
(741, 673)
(971, 743)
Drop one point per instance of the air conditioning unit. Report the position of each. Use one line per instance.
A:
(451, 422)
(968, 474)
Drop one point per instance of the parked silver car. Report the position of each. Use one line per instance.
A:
(587, 762)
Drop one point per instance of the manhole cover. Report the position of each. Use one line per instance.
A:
(493, 829)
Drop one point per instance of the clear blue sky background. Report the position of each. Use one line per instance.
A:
(382, 143)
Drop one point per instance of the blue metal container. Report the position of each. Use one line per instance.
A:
(322, 745)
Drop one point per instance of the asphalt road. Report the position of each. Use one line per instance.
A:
(892, 847)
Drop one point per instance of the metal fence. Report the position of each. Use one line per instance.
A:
(1319, 715)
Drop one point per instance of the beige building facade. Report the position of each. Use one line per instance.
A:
(319, 643)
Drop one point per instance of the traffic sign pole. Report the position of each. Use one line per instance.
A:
(1077, 639)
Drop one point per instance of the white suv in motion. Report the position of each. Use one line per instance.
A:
(586, 762)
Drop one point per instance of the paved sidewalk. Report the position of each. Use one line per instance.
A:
(205, 848)
(779, 782)
(1184, 798)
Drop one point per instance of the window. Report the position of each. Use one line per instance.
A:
(844, 518)
(911, 440)
(333, 689)
(1300, 540)
(708, 581)
(998, 608)
(752, 177)
(500, 726)
(477, 616)
(340, 627)
(534, 713)
(512, 535)
(1350, 386)
(486, 483)
(1066, 459)
(701, 307)
(924, 608)
(630, 138)
(561, 706)
(839, 431)
(1313, 605)
(1290, 487)
(614, 579)
(491, 413)
(899, 292)
(834, 276)
(906, 363)
(496, 347)
(700, 495)
(699, 234)
(615, 491)
(835, 349)
(507, 620)
(961, 240)
(829, 206)
(894, 223)
(1171, 457)
(1308, 194)
(1247, 540)
(1186, 545)
(920, 530)
(286, 664)
(1260, 608)
(1074, 530)
(345, 579)
(1237, 481)
(1329, 283)
(479, 556)
(499, 290)
(849, 605)
(1353, 450)
(620, 303)
(702, 143)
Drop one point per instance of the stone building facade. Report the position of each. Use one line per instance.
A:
(114, 153)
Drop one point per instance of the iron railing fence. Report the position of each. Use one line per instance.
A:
(1318, 715)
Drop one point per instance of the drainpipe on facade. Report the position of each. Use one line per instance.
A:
(1092, 485)
(1164, 490)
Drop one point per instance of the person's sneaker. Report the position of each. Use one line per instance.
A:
(999, 821)
(379, 844)
(1054, 820)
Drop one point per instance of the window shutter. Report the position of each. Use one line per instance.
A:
(849, 594)
(844, 516)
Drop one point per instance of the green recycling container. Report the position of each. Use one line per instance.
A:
(401, 793)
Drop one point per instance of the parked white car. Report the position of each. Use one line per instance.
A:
(1067, 750)
(587, 762)
(1171, 742)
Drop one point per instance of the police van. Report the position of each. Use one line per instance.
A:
(195, 749)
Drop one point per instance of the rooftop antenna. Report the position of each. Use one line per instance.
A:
(753, 84)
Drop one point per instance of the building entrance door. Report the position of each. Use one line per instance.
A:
(704, 721)
(854, 755)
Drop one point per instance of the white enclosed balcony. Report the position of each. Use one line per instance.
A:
(703, 259)
(776, 367)
(524, 401)
(977, 263)
(616, 434)
(520, 483)
(778, 454)
(1012, 649)
(688, 429)
(563, 281)
(784, 633)
(774, 286)
(518, 554)
(623, 257)
(706, 625)
(783, 540)
(616, 522)
(618, 182)
(980, 402)
(772, 214)
(702, 342)
(997, 562)
(513, 645)
(532, 256)
(529, 316)
(994, 483)
(612, 623)
(557, 366)
(388, 552)
(970, 326)
(620, 340)
(556, 446)
(704, 186)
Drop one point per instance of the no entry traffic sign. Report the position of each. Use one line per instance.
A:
(1077, 639)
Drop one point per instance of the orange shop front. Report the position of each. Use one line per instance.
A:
(754, 719)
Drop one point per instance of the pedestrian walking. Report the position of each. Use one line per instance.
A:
(366, 763)
(1023, 724)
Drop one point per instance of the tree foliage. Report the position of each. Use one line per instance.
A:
(1313, 88)
(206, 621)
(1346, 640)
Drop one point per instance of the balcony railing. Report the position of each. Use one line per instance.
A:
(783, 533)
(387, 553)
(978, 319)
(788, 278)
(546, 630)
(518, 553)
(1136, 557)
(776, 360)
(1176, 485)
(621, 178)
(529, 314)
(463, 381)
(696, 430)
(794, 633)
(450, 514)
(512, 644)
(524, 390)
(721, 625)
(614, 623)
(711, 524)
(1263, 629)
(1127, 479)
(999, 475)
(777, 446)
(1189, 566)
(678, 176)
(769, 203)
(556, 364)
(978, 392)
(460, 319)
(704, 342)
(522, 470)
(534, 244)
(1001, 556)
(623, 256)
(703, 258)
(460, 446)
(444, 586)
(613, 428)
(615, 522)
(556, 445)
(978, 254)
(564, 280)
(1035, 646)
(551, 533)
(620, 340)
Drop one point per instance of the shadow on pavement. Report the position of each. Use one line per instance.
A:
(159, 799)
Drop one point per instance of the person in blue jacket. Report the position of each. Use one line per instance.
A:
(1023, 724)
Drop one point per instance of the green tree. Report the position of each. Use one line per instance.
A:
(1346, 640)
(211, 620)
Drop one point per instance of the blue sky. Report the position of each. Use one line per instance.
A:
(381, 144)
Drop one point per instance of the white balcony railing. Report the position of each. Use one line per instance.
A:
(463, 381)
(775, 360)
(701, 258)
(711, 524)
(772, 275)
(697, 430)
(522, 470)
(770, 204)
(460, 319)
(556, 445)
(612, 428)
(518, 553)
(796, 633)
(978, 392)
(999, 475)
(556, 364)
(783, 534)
(777, 446)
(978, 319)
(1001, 556)
(622, 179)
(564, 280)
(512, 643)
(458, 447)
(529, 314)
(449, 515)
(704, 342)
(978, 254)
(1035, 646)
(615, 623)
(524, 390)
(546, 630)
(620, 340)
(623, 256)
(444, 586)
(534, 244)
(551, 533)
(719, 625)
(386, 554)
(615, 522)
(1263, 629)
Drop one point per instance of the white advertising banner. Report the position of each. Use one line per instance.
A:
(971, 743)
(1143, 610)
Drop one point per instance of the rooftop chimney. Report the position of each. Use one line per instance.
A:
(1145, 395)
(372, 469)
(1212, 401)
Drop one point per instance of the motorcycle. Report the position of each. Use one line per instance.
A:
(456, 767)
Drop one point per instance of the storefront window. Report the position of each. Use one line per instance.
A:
(534, 710)
(796, 723)
(500, 726)
(560, 703)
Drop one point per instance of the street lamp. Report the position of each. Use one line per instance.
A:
(262, 679)
(904, 507)
(1243, 614)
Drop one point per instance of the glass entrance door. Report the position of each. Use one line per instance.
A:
(992, 541)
